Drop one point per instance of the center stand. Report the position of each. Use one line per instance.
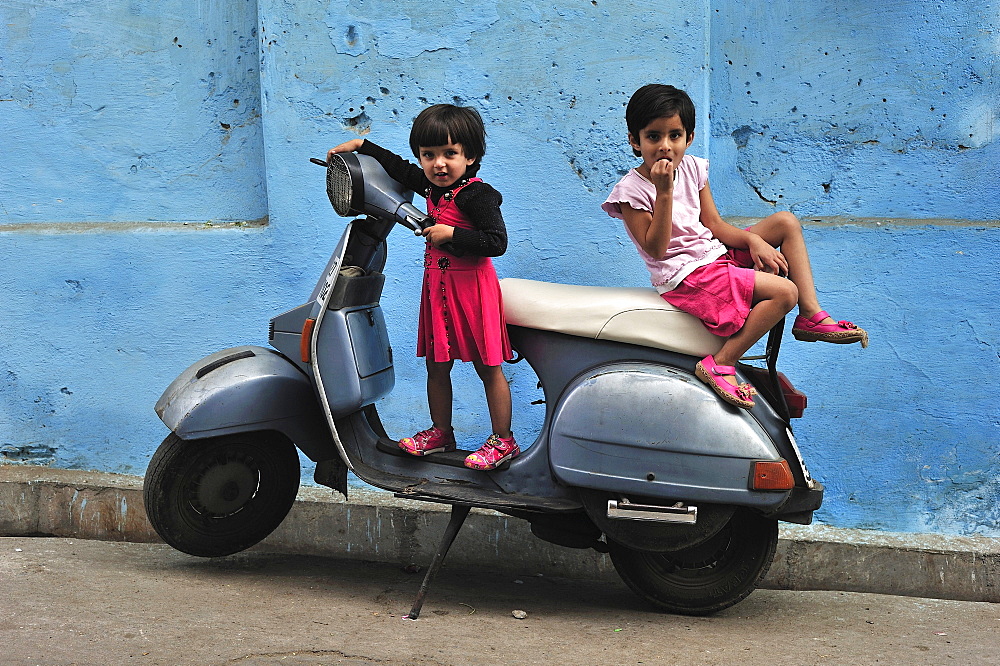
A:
(459, 512)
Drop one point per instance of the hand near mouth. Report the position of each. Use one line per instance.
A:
(662, 175)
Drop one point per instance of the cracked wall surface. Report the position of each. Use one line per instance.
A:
(873, 110)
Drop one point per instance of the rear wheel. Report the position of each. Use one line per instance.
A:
(705, 578)
(218, 496)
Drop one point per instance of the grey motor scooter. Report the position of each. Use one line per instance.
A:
(636, 457)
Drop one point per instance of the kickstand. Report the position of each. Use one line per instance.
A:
(458, 514)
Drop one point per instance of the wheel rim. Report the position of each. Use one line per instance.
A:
(696, 566)
(220, 495)
(225, 487)
(223, 491)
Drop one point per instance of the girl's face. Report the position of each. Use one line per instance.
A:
(662, 139)
(443, 165)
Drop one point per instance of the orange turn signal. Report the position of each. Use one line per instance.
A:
(772, 475)
(305, 343)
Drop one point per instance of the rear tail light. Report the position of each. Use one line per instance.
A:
(772, 475)
(794, 398)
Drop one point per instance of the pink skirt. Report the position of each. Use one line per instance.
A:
(720, 294)
(461, 310)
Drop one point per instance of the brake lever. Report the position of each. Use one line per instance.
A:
(413, 224)
(448, 247)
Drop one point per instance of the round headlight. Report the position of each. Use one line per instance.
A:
(344, 183)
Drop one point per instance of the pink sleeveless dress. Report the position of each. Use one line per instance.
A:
(461, 307)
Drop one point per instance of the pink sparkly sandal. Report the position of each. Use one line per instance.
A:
(426, 442)
(841, 333)
(709, 372)
(493, 453)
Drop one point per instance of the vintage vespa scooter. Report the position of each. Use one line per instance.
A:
(636, 457)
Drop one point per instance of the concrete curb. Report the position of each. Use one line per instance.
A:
(375, 526)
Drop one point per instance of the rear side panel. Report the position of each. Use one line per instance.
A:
(653, 430)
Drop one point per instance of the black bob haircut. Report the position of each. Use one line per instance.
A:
(657, 100)
(442, 124)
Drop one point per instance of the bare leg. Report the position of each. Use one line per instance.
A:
(439, 394)
(784, 231)
(497, 397)
(773, 298)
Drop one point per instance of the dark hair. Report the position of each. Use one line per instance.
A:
(657, 100)
(446, 123)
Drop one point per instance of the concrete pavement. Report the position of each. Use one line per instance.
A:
(71, 601)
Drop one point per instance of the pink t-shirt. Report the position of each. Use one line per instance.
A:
(691, 243)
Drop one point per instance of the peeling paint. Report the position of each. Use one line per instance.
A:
(27, 454)
(67, 228)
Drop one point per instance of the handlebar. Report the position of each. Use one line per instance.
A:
(391, 204)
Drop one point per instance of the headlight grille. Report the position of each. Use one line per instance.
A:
(339, 186)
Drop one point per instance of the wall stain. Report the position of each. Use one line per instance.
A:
(28, 454)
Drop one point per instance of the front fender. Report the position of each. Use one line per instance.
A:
(245, 389)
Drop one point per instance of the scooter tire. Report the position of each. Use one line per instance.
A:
(220, 495)
(705, 578)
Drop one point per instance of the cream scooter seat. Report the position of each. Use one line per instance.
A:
(634, 315)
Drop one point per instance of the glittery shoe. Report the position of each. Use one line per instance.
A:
(426, 442)
(493, 453)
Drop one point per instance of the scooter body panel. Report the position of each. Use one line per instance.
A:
(350, 344)
(640, 428)
(355, 357)
(244, 389)
(616, 413)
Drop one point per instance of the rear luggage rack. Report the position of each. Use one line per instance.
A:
(625, 510)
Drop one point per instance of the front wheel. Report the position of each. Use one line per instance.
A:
(705, 578)
(218, 496)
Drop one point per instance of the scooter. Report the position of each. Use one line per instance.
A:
(636, 457)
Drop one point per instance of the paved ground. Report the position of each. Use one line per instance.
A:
(68, 601)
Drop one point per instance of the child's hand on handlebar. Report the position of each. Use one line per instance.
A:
(346, 147)
(439, 234)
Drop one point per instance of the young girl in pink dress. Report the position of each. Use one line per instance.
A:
(731, 279)
(461, 309)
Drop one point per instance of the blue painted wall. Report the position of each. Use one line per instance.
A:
(126, 111)
(851, 109)
(156, 202)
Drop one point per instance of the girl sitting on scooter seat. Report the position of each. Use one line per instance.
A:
(729, 278)
(461, 309)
